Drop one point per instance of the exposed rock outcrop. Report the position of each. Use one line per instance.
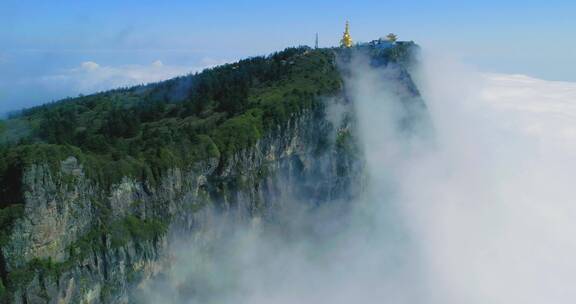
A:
(60, 238)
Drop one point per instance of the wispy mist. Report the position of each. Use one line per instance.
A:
(26, 85)
(474, 205)
(492, 205)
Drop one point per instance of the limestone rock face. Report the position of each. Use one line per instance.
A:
(56, 213)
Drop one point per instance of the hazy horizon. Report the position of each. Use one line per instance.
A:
(52, 50)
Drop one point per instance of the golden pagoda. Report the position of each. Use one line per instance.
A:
(346, 39)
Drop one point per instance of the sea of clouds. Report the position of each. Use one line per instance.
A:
(493, 205)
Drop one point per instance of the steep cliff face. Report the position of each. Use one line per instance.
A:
(76, 240)
(74, 262)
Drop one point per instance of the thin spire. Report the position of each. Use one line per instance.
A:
(346, 38)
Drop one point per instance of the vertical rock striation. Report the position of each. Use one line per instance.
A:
(80, 242)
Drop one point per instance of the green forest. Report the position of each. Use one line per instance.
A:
(141, 131)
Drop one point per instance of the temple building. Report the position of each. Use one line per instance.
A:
(346, 39)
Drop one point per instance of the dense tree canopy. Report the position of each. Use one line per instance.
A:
(141, 131)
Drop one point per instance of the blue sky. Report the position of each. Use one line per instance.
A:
(53, 49)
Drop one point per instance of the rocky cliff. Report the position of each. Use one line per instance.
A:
(75, 239)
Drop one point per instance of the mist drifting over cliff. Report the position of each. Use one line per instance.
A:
(492, 205)
(471, 204)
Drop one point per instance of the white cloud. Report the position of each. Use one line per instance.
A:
(89, 65)
(546, 109)
(90, 77)
(492, 206)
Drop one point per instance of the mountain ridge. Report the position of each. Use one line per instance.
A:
(99, 185)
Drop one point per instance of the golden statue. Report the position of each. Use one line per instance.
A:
(346, 39)
(392, 37)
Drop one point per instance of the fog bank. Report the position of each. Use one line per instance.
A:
(476, 208)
